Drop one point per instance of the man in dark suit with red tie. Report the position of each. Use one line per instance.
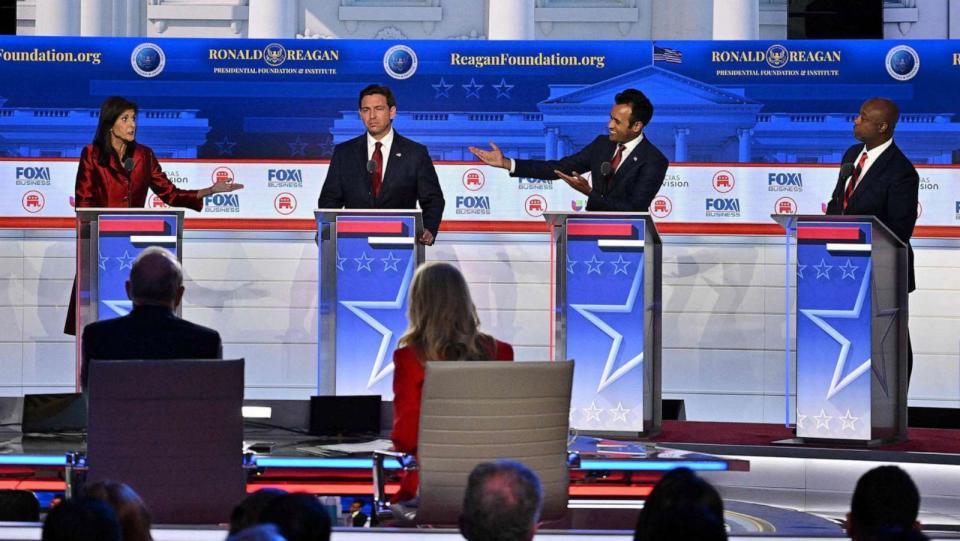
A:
(625, 168)
(882, 183)
(381, 169)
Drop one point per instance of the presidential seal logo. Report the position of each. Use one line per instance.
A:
(777, 56)
(400, 62)
(274, 54)
(148, 60)
(903, 63)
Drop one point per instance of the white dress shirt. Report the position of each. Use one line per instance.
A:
(628, 148)
(872, 156)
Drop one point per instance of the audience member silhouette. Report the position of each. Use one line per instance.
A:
(299, 517)
(247, 513)
(126, 503)
(885, 505)
(19, 506)
(501, 503)
(81, 519)
(680, 493)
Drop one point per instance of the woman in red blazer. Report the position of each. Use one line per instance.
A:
(115, 172)
(443, 327)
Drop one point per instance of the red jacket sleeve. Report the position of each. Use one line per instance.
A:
(407, 391)
(504, 351)
(169, 193)
(85, 190)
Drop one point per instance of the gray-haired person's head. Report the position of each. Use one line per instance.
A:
(156, 279)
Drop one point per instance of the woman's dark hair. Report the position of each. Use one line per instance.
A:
(680, 488)
(110, 111)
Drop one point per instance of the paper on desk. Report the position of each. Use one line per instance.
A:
(357, 448)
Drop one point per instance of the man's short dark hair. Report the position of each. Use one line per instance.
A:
(686, 522)
(641, 110)
(885, 498)
(377, 89)
(247, 513)
(502, 502)
(155, 277)
(81, 519)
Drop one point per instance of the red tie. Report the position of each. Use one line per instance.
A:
(848, 193)
(376, 179)
(616, 161)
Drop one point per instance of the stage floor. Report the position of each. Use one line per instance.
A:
(769, 489)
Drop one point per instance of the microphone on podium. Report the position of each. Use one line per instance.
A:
(605, 169)
(128, 164)
(371, 166)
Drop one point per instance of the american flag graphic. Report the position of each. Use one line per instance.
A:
(665, 54)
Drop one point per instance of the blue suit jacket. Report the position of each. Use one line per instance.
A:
(632, 187)
(889, 191)
(410, 178)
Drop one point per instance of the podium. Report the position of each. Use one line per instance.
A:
(851, 309)
(606, 316)
(108, 241)
(366, 263)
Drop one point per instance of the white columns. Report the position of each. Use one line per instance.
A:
(272, 19)
(550, 150)
(96, 17)
(58, 18)
(736, 19)
(510, 19)
(680, 140)
(745, 135)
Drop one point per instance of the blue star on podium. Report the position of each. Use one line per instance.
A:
(382, 367)
(126, 261)
(589, 311)
(363, 262)
(839, 381)
(390, 262)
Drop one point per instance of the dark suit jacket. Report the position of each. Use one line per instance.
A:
(410, 177)
(631, 189)
(889, 191)
(147, 332)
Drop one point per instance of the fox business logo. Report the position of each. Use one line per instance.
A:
(473, 180)
(284, 178)
(222, 203)
(33, 176)
(776, 56)
(473, 204)
(784, 182)
(524, 183)
(720, 207)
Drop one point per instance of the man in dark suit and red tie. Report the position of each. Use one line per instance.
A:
(880, 180)
(625, 168)
(381, 169)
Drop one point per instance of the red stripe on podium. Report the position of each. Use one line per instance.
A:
(599, 230)
(132, 226)
(369, 226)
(828, 233)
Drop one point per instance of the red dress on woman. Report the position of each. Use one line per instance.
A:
(408, 375)
(112, 186)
